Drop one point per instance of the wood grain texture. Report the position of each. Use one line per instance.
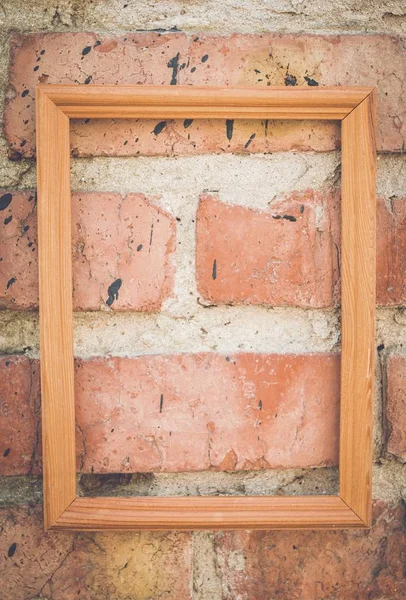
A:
(356, 107)
(300, 512)
(55, 288)
(358, 251)
(171, 102)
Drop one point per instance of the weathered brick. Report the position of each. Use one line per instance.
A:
(121, 248)
(287, 255)
(67, 566)
(315, 565)
(207, 411)
(155, 58)
(187, 412)
(396, 406)
(391, 251)
(19, 415)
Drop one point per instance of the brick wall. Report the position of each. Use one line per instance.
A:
(206, 273)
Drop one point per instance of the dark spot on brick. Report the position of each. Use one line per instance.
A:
(26, 228)
(229, 128)
(310, 81)
(22, 143)
(15, 156)
(113, 291)
(7, 363)
(10, 282)
(205, 58)
(5, 200)
(139, 247)
(174, 65)
(88, 80)
(260, 405)
(193, 69)
(7, 221)
(97, 43)
(249, 141)
(12, 550)
(86, 50)
(161, 403)
(36, 68)
(286, 217)
(381, 347)
(29, 244)
(42, 52)
(214, 271)
(187, 123)
(302, 209)
(25, 93)
(159, 127)
(290, 79)
(227, 358)
(196, 39)
(6, 452)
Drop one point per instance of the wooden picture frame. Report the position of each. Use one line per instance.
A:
(355, 108)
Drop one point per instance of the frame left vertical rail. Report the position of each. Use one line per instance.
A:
(55, 289)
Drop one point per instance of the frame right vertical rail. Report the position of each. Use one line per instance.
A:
(358, 274)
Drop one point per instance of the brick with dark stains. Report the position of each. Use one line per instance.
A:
(290, 79)
(174, 65)
(159, 127)
(214, 270)
(113, 291)
(252, 136)
(229, 128)
(310, 81)
(5, 200)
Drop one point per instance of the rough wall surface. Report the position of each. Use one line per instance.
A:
(206, 272)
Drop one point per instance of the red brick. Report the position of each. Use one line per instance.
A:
(151, 58)
(316, 565)
(113, 239)
(67, 566)
(391, 251)
(396, 406)
(19, 415)
(207, 411)
(284, 256)
(186, 412)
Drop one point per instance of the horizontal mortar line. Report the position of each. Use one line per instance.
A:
(136, 334)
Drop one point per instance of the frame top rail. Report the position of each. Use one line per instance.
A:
(206, 102)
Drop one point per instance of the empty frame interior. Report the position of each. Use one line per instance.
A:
(355, 107)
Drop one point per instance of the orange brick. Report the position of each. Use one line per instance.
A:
(287, 255)
(315, 565)
(19, 415)
(207, 411)
(396, 406)
(155, 58)
(122, 251)
(103, 565)
(391, 251)
(177, 413)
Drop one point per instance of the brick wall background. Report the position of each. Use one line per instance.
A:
(206, 273)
